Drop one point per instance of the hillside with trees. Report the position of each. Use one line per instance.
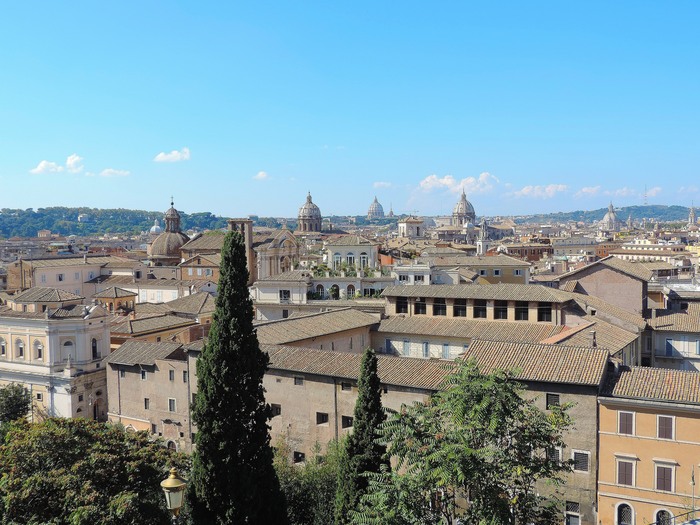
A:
(650, 212)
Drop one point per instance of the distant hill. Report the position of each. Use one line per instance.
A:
(650, 212)
(64, 221)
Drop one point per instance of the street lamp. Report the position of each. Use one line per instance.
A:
(174, 488)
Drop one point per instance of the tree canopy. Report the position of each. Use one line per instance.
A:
(15, 402)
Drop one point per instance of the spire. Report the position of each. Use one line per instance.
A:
(308, 197)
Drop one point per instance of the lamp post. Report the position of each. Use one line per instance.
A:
(174, 488)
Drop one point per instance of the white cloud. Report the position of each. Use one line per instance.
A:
(622, 192)
(381, 184)
(74, 163)
(261, 175)
(588, 191)
(653, 192)
(173, 156)
(110, 172)
(541, 192)
(46, 166)
(484, 183)
(688, 189)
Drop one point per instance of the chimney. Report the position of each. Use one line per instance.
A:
(594, 343)
(85, 258)
(132, 315)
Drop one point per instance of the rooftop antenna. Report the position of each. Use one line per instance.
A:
(645, 195)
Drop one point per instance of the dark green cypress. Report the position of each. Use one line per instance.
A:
(233, 480)
(362, 452)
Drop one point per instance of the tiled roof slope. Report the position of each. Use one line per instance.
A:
(196, 303)
(40, 294)
(126, 325)
(541, 363)
(428, 374)
(141, 353)
(314, 325)
(688, 321)
(114, 292)
(657, 384)
(469, 329)
(475, 261)
(615, 311)
(499, 292)
(101, 260)
(608, 336)
(351, 240)
(633, 269)
(208, 241)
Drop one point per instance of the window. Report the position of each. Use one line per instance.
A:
(39, 396)
(522, 310)
(285, 295)
(664, 478)
(171, 375)
(402, 305)
(406, 348)
(80, 398)
(419, 307)
(573, 513)
(298, 381)
(199, 272)
(38, 350)
(285, 314)
(364, 260)
(625, 423)
(669, 347)
(460, 308)
(418, 278)
(76, 276)
(185, 376)
(95, 351)
(190, 271)
(43, 278)
(581, 461)
(664, 427)
(403, 278)
(500, 310)
(625, 472)
(426, 349)
(345, 386)
(346, 421)
(552, 401)
(122, 372)
(544, 312)
(388, 346)
(337, 261)
(298, 457)
(20, 349)
(496, 272)
(439, 307)
(517, 273)
(276, 409)
(554, 454)
(144, 375)
(350, 259)
(321, 418)
(445, 351)
(171, 405)
(624, 514)
(59, 277)
(146, 403)
(483, 273)
(479, 308)
(663, 517)
(3, 348)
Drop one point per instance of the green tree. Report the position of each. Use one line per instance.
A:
(478, 440)
(15, 402)
(233, 479)
(80, 472)
(363, 453)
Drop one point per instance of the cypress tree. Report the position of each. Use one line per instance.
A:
(233, 479)
(362, 452)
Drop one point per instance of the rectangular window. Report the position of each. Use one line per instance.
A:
(483, 272)
(460, 308)
(402, 305)
(664, 427)
(406, 348)
(184, 376)
(581, 461)
(298, 381)
(403, 279)
(199, 272)
(77, 276)
(554, 454)
(285, 295)
(439, 306)
(544, 312)
(171, 375)
(146, 403)
(426, 349)
(625, 423)
(275, 409)
(420, 307)
(625, 473)
(122, 373)
(552, 401)
(171, 405)
(285, 314)
(669, 347)
(43, 278)
(80, 398)
(39, 396)
(522, 310)
(573, 513)
(479, 308)
(388, 346)
(321, 418)
(144, 375)
(517, 273)
(500, 310)
(59, 277)
(298, 457)
(496, 272)
(445, 351)
(346, 421)
(189, 271)
(345, 386)
(664, 478)
(154, 428)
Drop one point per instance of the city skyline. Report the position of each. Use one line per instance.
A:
(241, 110)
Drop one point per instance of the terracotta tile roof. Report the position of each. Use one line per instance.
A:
(541, 363)
(141, 353)
(314, 325)
(499, 292)
(114, 293)
(112, 280)
(214, 259)
(144, 325)
(614, 311)
(40, 294)
(426, 374)
(469, 328)
(656, 384)
(608, 336)
(633, 269)
(100, 260)
(194, 304)
(475, 261)
(291, 275)
(569, 286)
(351, 240)
(150, 309)
(687, 321)
(213, 240)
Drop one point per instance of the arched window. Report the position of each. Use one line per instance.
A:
(334, 291)
(67, 350)
(171, 445)
(350, 291)
(320, 290)
(364, 260)
(337, 261)
(350, 259)
(624, 514)
(663, 517)
(95, 352)
(38, 350)
(19, 348)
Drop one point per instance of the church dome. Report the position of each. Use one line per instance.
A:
(156, 229)
(309, 210)
(463, 210)
(376, 210)
(610, 221)
(166, 247)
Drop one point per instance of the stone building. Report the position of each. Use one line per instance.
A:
(165, 249)
(376, 210)
(610, 222)
(463, 212)
(309, 219)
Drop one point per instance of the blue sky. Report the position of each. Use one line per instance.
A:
(241, 109)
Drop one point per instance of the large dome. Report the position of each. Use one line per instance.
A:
(309, 210)
(463, 211)
(168, 244)
(376, 210)
(610, 221)
(156, 229)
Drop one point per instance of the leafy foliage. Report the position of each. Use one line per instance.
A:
(15, 402)
(478, 441)
(233, 480)
(80, 472)
(363, 453)
(309, 489)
